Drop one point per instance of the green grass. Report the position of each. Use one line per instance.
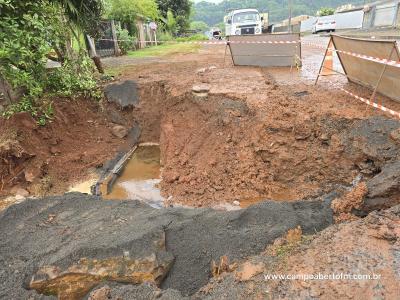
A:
(196, 37)
(166, 49)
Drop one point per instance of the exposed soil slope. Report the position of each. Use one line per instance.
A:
(48, 159)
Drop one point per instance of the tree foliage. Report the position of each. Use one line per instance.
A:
(86, 14)
(28, 30)
(127, 10)
(199, 26)
(170, 25)
(326, 11)
(180, 9)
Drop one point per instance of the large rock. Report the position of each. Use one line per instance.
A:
(137, 292)
(9, 95)
(384, 188)
(68, 244)
(370, 141)
(125, 94)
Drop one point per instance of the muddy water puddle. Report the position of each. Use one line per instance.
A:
(140, 178)
(282, 195)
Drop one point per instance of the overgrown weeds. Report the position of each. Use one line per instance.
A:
(31, 32)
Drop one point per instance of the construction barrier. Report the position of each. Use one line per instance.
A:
(373, 104)
(374, 64)
(267, 50)
(371, 63)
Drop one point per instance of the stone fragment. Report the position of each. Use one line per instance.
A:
(119, 131)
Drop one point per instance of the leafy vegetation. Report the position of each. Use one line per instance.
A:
(127, 10)
(199, 26)
(326, 11)
(180, 9)
(30, 33)
(195, 37)
(212, 13)
(171, 25)
(125, 40)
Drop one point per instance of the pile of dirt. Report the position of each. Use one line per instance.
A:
(283, 147)
(68, 245)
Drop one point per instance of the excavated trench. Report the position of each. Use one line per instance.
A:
(283, 169)
(221, 152)
(303, 164)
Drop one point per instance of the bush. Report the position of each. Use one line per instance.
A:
(125, 41)
(164, 36)
(29, 31)
(196, 37)
(75, 78)
(25, 31)
(199, 26)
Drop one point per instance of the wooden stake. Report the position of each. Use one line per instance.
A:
(381, 76)
(323, 61)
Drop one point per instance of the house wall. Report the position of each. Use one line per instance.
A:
(384, 14)
(350, 20)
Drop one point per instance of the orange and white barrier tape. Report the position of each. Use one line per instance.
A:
(213, 42)
(373, 104)
(388, 62)
(314, 45)
(392, 63)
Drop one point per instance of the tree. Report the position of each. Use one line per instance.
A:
(181, 10)
(127, 10)
(326, 11)
(85, 14)
(171, 24)
(199, 26)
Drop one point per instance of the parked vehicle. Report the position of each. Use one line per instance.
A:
(243, 21)
(328, 25)
(216, 33)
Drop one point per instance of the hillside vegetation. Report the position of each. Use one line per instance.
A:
(212, 14)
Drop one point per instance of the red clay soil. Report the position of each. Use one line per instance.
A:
(344, 205)
(273, 144)
(48, 159)
(252, 139)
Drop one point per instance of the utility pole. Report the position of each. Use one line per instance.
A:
(290, 16)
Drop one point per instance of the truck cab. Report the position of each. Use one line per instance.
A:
(243, 22)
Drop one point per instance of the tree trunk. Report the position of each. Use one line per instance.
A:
(98, 64)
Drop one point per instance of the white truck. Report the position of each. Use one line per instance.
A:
(243, 21)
